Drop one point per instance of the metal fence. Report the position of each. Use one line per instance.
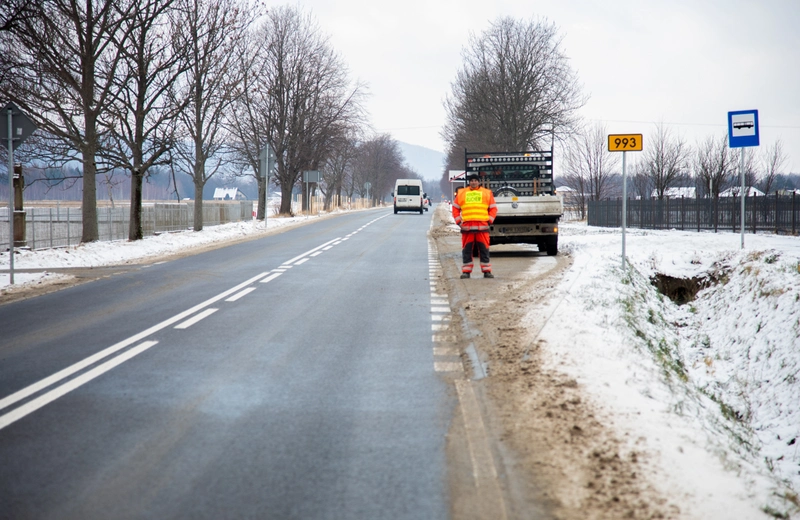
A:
(774, 213)
(57, 226)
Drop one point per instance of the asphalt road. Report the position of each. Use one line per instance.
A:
(286, 377)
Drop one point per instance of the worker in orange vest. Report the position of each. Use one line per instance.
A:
(474, 210)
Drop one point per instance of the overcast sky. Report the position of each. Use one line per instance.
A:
(685, 63)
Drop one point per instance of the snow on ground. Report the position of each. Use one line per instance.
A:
(118, 252)
(709, 389)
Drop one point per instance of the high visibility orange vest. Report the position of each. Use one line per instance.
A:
(474, 205)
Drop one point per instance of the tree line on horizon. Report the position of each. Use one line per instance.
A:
(198, 87)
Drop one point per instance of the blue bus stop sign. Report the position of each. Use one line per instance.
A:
(743, 128)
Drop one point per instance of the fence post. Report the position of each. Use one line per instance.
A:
(33, 228)
(683, 212)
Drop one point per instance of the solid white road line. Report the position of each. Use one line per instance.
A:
(80, 365)
(302, 261)
(197, 317)
(55, 393)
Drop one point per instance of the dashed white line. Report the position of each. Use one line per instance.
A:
(197, 317)
(241, 294)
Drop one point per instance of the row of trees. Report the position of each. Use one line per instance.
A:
(668, 161)
(515, 91)
(198, 86)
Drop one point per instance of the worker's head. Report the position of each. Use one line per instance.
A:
(474, 180)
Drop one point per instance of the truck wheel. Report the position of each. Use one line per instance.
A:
(552, 246)
(395, 210)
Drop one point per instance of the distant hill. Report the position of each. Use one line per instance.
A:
(429, 164)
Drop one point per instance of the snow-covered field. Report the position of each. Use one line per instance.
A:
(710, 388)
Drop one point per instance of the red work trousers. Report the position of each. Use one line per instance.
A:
(470, 241)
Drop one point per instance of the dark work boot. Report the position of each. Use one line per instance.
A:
(488, 275)
(464, 275)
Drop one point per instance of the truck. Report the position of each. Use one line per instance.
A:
(528, 208)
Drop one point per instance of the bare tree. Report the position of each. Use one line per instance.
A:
(665, 160)
(589, 165)
(713, 164)
(65, 57)
(248, 119)
(338, 167)
(515, 90)
(772, 162)
(379, 162)
(13, 12)
(641, 181)
(208, 36)
(313, 102)
(142, 117)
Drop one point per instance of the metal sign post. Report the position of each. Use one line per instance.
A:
(310, 176)
(18, 129)
(743, 132)
(624, 143)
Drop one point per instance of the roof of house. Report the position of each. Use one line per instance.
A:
(228, 193)
(735, 190)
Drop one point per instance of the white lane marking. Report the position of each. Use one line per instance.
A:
(326, 248)
(437, 327)
(445, 351)
(440, 317)
(284, 267)
(197, 317)
(447, 366)
(304, 260)
(316, 254)
(439, 301)
(55, 393)
(439, 309)
(80, 365)
(239, 295)
(298, 257)
(271, 277)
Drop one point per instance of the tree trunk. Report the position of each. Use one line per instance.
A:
(286, 199)
(89, 200)
(262, 198)
(135, 227)
(198, 206)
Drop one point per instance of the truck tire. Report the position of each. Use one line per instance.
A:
(395, 210)
(552, 246)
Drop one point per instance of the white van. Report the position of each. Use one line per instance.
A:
(408, 195)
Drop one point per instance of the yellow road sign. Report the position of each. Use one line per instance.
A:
(625, 143)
